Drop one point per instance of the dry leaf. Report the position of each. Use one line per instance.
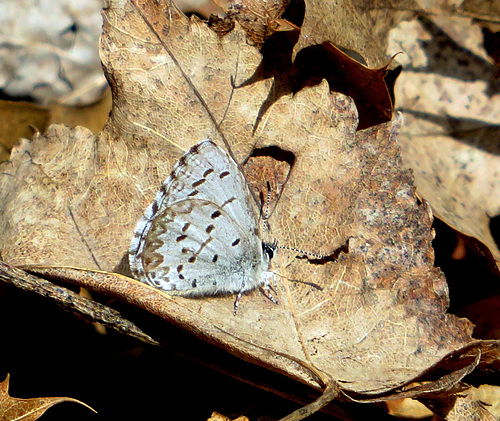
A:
(485, 314)
(353, 25)
(462, 407)
(489, 396)
(78, 304)
(218, 417)
(27, 409)
(260, 18)
(371, 89)
(344, 69)
(203, 8)
(408, 408)
(369, 324)
(20, 119)
(452, 145)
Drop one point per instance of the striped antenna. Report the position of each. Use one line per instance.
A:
(317, 256)
(265, 209)
(268, 200)
(265, 226)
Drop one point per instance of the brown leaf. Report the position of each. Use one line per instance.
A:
(260, 19)
(369, 88)
(218, 417)
(17, 121)
(87, 308)
(21, 119)
(344, 68)
(461, 406)
(355, 26)
(12, 409)
(369, 324)
(451, 131)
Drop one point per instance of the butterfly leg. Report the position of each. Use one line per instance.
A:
(267, 286)
(238, 297)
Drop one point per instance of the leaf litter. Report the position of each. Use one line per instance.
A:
(27, 409)
(366, 326)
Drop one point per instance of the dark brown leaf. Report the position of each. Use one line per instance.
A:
(12, 409)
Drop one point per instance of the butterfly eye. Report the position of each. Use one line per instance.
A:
(269, 249)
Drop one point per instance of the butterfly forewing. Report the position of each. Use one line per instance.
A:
(207, 172)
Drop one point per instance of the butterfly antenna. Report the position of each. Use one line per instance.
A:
(307, 253)
(266, 208)
(271, 247)
(268, 200)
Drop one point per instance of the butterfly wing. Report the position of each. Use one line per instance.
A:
(200, 235)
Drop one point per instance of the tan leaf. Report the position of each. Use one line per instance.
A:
(368, 323)
(344, 68)
(451, 134)
(218, 417)
(370, 89)
(22, 119)
(353, 25)
(260, 18)
(12, 409)
(461, 406)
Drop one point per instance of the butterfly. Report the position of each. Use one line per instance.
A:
(201, 235)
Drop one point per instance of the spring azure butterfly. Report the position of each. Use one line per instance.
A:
(201, 234)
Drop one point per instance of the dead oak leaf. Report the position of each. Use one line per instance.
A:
(12, 409)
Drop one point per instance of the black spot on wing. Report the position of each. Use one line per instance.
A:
(236, 242)
(193, 193)
(215, 258)
(228, 201)
(209, 229)
(182, 161)
(224, 174)
(216, 214)
(181, 238)
(186, 226)
(198, 183)
(192, 259)
(208, 172)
